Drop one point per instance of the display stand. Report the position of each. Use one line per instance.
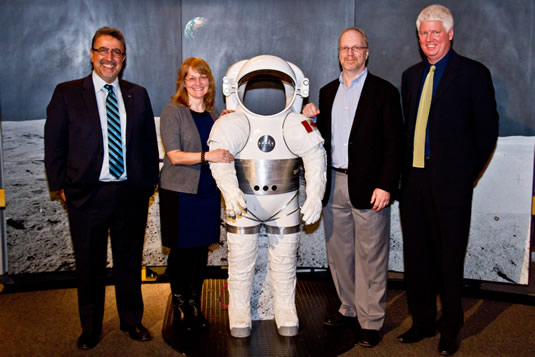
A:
(315, 299)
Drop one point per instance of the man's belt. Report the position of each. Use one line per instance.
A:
(344, 171)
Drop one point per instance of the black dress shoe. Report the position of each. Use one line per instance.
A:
(339, 320)
(416, 334)
(448, 345)
(369, 338)
(198, 317)
(87, 341)
(179, 312)
(137, 332)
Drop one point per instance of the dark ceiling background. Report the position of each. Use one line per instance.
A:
(45, 42)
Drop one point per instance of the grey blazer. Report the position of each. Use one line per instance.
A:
(179, 132)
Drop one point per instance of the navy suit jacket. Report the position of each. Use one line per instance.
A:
(74, 145)
(463, 124)
(375, 141)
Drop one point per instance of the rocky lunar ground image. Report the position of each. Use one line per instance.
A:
(38, 237)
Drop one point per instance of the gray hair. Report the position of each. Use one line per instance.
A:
(436, 13)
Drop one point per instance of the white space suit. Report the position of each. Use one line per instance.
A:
(261, 186)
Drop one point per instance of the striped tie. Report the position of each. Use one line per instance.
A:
(115, 146)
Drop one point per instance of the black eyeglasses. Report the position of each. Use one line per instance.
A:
(103, 51)
(353, 49)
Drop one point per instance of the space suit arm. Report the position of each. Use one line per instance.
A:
(304, 140)
(229, 132)
(315, 164)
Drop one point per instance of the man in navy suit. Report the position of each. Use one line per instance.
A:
(102, 196)
(436, 191)
(360, 118)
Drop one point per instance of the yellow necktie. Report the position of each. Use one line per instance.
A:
(418, 157)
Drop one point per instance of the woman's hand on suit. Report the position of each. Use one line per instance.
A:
(219, 155)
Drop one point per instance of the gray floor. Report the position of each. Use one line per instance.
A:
(45, 323)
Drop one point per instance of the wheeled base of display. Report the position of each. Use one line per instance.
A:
(315, 300)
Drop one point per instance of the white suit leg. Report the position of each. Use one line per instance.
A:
(282, 263)
(242, 250)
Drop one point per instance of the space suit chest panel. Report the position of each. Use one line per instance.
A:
(267, 177)
(266, 140)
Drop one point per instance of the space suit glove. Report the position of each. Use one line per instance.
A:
(311, 210)
(234, 203)
(227, 182)
(315, 164)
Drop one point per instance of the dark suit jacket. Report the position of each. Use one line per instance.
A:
(463, 123)
(375, 141)
(74, 145)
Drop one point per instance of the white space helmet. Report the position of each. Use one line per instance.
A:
(262, 70)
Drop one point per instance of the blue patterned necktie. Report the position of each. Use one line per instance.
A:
(115, 146)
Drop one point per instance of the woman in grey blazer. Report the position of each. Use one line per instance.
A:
(189, 198)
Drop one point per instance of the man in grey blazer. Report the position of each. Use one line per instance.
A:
(360, 118)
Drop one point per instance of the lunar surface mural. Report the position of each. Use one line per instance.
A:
(37, 228)
(500, 230)
(38, 237)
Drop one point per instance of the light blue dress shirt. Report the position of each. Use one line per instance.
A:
(101, 93)
(343, 112)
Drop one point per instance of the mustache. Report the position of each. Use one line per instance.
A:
(105, 61)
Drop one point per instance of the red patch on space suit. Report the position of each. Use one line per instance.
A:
(309, 125)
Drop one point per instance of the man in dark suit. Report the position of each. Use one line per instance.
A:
(101, 155)
(452, 127)
(360, 118)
